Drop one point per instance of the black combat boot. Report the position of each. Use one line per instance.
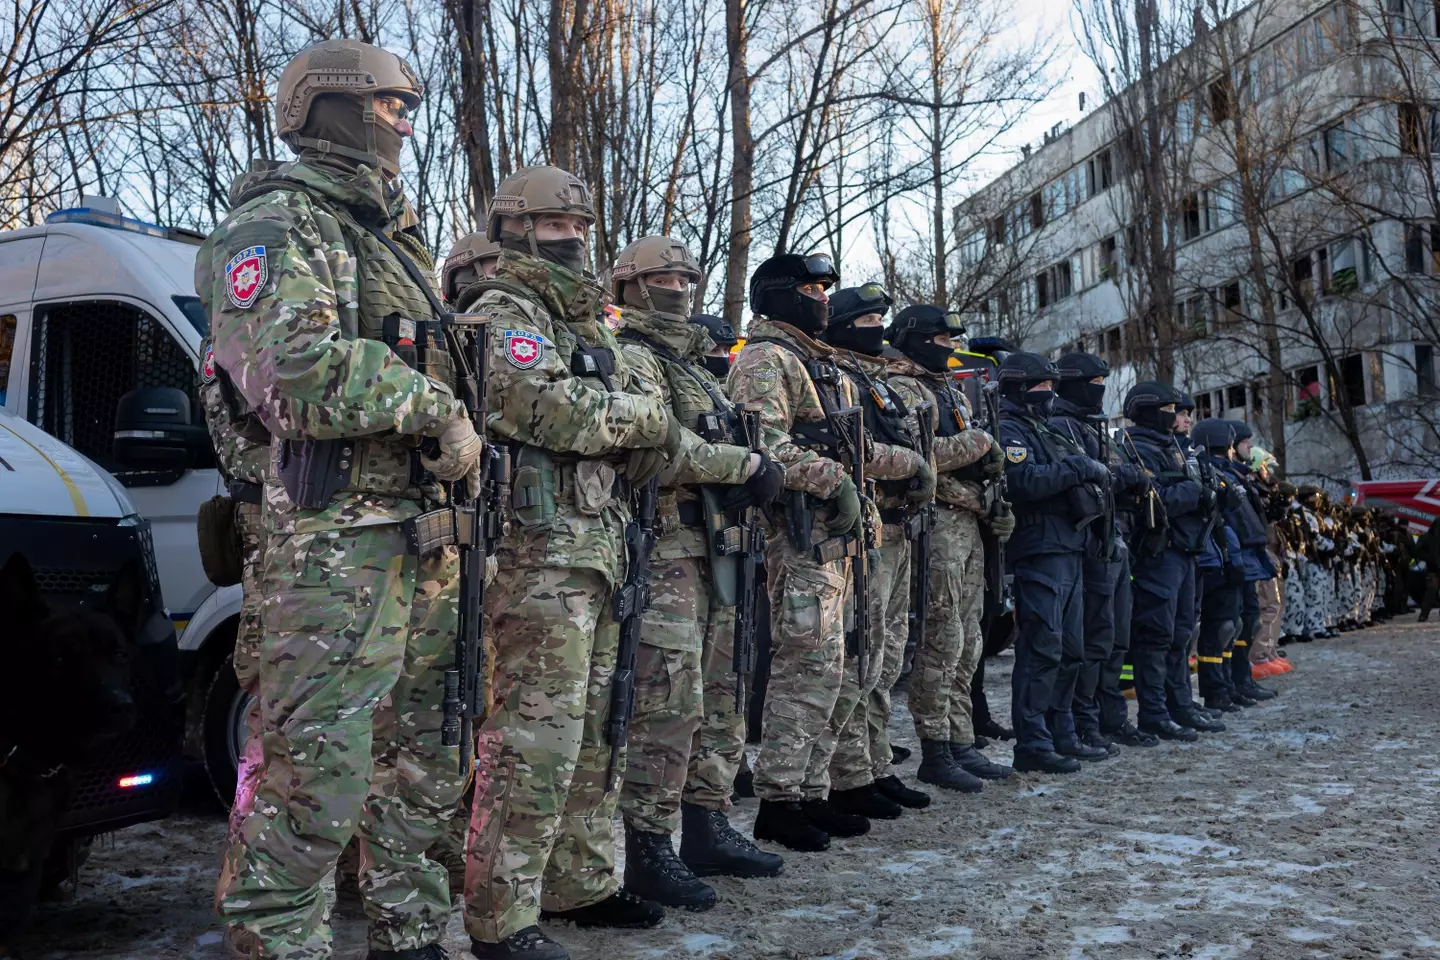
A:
(745, 785)
(1044, 761)
(939, 769)
(1081, 751)
(1098, 740)
(528, 944)
(785, 823)
(1129, 735)
(654, 872)
(621, 909)
(1254, 691)
(899, 754)
(834, 822)
(431, 951)
(993, 731)
(1169, 730)
(975, 763)
(894, 788)
(865, 801)
(1197, 721)
(711, 847)
(1222, 702)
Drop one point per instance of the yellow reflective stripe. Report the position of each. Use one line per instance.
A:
(76, 500)
(1242, 643)
(1226, 654)
(1212, 660)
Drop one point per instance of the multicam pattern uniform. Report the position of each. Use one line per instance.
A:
(350, 616)
(947, 656)
(687, 634)
(807, 598)
(541, 819)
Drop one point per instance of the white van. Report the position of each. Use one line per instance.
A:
(96, 309)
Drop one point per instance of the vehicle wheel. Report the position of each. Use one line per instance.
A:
(223, 728)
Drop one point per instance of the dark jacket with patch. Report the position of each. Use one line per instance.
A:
(1039, 484)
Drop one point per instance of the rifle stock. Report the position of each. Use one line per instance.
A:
(924, 519)
(994, 549)
(742, 658)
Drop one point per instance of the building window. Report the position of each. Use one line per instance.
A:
(1235, 397)
(1114, 345)
(1425, 370)
(1302, 275)
(1037, 212)
(1109, 265)
(1222, 100)
(1204, 409)
(1352, 381)
(1230, 312)
(1100, 170)
(1306, 397)
(1257, 398)
(1190, 217)
(997, 231)
(1338, 273)
(1337, 148)
(1412, 127)
(1042, 291)
(1415, 244)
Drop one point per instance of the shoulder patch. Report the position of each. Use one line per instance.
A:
(766, 374)
(245, 276)
(524, 349)
(1016, 454)
(207, 365)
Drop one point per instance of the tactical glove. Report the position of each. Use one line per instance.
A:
(458, 456)
(846, 501)
(1130, 478)
(1001, 521)
(643, 465)
(767, 483)
(993, 463)
(922, 485)
(1089, 471)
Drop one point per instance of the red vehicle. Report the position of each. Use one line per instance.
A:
(1417, 502)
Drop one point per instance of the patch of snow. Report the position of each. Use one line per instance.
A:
(1392, 745)
(1305, 804)
(1084, 936)
(1305, 935)
(944, 942)
(1176, 843)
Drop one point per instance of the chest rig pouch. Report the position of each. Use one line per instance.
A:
(885, 415)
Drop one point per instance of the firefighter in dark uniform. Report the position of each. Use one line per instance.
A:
(1164, 570)
(1052, 485)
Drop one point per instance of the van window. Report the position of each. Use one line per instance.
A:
(194, 311)
(85, 356)
(8, 326)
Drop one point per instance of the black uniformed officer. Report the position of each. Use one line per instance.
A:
(717, 361)
(1080, 416)
(1163, 568)
(1051, 485)
(1247, 518)
(1221, 578)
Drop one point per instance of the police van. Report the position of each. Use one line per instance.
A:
(79, 532)
(100, 333)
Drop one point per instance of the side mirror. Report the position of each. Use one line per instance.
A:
(154, 430)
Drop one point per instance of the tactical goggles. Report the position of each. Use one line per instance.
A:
(393, 105)
(821, 269)
(872, 293)
(954, 323)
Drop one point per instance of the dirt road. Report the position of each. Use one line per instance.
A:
(1309, 829)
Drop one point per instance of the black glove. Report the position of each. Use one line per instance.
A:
(1130, 478)
(992, 464)
(1089, 471)
(847, 507)
(1234, 496)
(1234, 575)
(767, 483)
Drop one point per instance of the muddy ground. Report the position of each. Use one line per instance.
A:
(1309, 829)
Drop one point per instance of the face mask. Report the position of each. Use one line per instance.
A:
(932, 356)
(719, 367)
(1166, 420)
(569, 254)
(340, 119)
(1040, 402)
(674, 302)
(1095, 396)
(866, 340)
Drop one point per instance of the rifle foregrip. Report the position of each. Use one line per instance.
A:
(450, 724)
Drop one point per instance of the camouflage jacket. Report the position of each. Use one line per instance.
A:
(298, 292)
(888, 461)
(570, 431)
(960, 449)
(701, 462)
(237, 457)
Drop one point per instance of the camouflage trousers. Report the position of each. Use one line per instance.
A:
(350, 617)
(947, 656)
(1271, 594)
(862, 746)
(1318, 589)
(543, 802)
(718, 751)
(1292, 621)
(246, 659)
(807, 643)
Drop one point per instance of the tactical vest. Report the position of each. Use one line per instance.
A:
(698, 404)
(826, 376)
(952, 414)
(885, 414)
(395, 306)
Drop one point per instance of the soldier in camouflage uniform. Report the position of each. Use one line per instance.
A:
(968, 461)
(307, 302)
(794, 379)
(861, 780)
(686, 639)
(585, 429)
(473, 258)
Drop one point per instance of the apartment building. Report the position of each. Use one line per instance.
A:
(1301, 140)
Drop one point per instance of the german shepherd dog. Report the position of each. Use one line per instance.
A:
(65, 695)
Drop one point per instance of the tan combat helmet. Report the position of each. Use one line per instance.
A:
(466, 263)
(341, 66)
(531, 191)
(651, 255)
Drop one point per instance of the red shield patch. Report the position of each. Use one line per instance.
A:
(523, 348)
(207, 366)
(245, 276)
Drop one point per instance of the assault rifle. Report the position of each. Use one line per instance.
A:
(1103, 429)
(1000, 506)
(848, 426)
(752, 537)
(630, 604)
(918, 531)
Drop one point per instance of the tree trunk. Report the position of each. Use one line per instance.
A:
(742, 170)
(937, 162)
(1156, 200)
(472, 119)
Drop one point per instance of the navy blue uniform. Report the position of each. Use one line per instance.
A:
(1042, 469)
(1163, 616)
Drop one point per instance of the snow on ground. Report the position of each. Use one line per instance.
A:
(1307, 830)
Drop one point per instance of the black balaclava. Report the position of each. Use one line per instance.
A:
(1018, 373)
(866, 340)
(641, 295)
(569, 254)
(719, 367)
(1040, 403)
(340, 119)
(930, 355)
(1143, 403)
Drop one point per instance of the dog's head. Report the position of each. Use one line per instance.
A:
(65, 674)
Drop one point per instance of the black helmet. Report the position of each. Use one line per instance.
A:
(1243, 430)
(1076, 371)
(1143, 403)
(1027, 368)
(773, 294)
(914, 330)
(1186, 402)
(1217, 436)
(849, 305)
(721, 332)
